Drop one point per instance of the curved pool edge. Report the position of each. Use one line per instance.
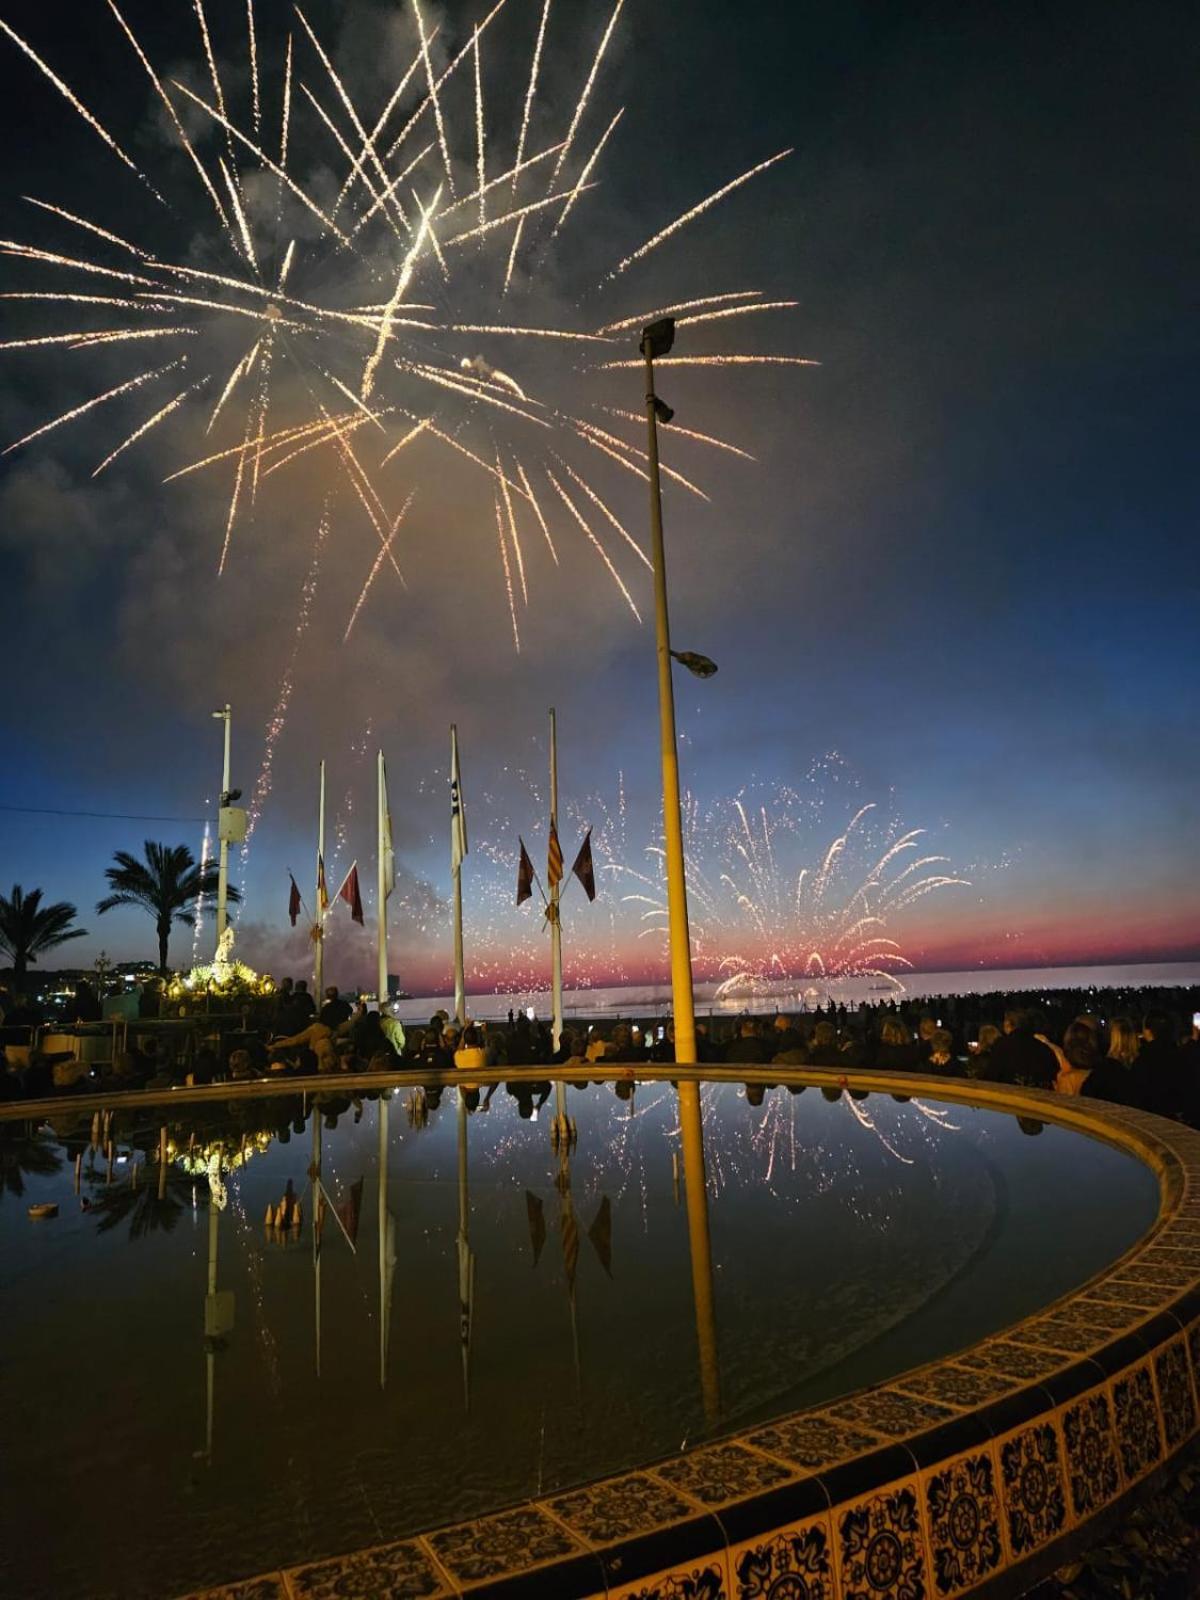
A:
(973, 1474)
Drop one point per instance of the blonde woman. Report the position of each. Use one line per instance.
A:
(1124, 1041)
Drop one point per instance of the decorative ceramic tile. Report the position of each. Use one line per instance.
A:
(795, 1563)
(1174, 1277)
(957, 1386)
(964, 1522)
(1055, 1335)
(270, 1586)
(1032, 1488)
(1137, 1422)
(1112, 1292)
(402, 1568)
(887, 1411)
(1091, 1452)
(813, 1442)
(1170, 1251)
(1086, 1314)
(1013, 1360)
(615, 1508)
(881, 1551)
(1176, 1404)
(722, 1473)
(702, 1580)
(495, 1546)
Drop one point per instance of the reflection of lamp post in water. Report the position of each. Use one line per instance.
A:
(318, 1218)
(218, 1304)
(691, 1125)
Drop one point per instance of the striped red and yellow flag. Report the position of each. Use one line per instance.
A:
(554, 859)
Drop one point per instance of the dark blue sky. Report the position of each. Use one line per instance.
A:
(965, 559)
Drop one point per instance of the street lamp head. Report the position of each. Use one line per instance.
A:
(222, 712)
(700, 666)
(662, 410)
(658, 338)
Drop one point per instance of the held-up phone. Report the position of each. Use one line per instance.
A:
(1196, 1019)
(662, 1032)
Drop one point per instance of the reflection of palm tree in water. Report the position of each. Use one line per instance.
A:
(154, 1205)
(25, 1153)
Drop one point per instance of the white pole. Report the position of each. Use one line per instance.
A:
(555, 925)
(223, 869)
(382, 886)
(319, 942)
(460, 982)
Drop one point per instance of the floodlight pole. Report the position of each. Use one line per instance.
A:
(223, 870)
(683, 1004)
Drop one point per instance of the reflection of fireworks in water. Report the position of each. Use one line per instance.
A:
(363, 323)
(768, 907)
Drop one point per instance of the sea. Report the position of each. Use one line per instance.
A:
(649, 1000)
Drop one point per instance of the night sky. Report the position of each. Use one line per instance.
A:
(959, 581)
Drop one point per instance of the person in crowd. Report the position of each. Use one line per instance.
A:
(786, 1035)
(941, 1051)
(303, 1001)
(470, 1055)
(824, 1052)
(979, 1061)
(1020, 1055)
(925, 1031)
(749, 1045)
(334, 1010)
(85, 1005)
(1124, 1043)
(317, 1040)
(898, 1051)
(1083, 1070)
(1161, 1066)
(662, 1051)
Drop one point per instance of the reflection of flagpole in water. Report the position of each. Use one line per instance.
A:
(466, 1260)
(318, 1217)
(387, 1246)
(569, 1229)
(692, 1129)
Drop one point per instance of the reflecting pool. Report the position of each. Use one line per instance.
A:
(192, 1392)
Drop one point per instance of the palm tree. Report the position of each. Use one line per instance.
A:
(28, 928)
(167, 884)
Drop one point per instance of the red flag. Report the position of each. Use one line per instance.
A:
(322, 891)
(349, 892)
(583, 869)
(524, 875)
(554, 859)
(293, 902)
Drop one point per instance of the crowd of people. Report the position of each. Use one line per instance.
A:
(1136, 1047)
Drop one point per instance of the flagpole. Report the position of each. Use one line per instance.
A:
(319, 941)
(460, 983)
(555, 925)
(381, 886)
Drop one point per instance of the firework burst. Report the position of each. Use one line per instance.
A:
(777, 905)
(358, 322)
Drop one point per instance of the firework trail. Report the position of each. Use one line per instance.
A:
(278, 718)
(198, 924)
